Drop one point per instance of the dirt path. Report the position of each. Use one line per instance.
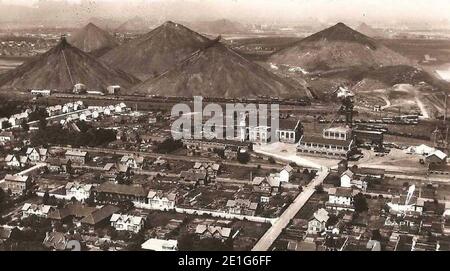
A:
(387, 101)
(422, 108)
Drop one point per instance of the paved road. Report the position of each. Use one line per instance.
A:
(272, 234)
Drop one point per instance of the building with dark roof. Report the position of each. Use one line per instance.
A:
(115, 193)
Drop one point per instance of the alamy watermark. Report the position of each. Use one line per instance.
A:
(255, 121)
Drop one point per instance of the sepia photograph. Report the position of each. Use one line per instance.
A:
(245, 127)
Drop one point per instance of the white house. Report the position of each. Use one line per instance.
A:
(120, 108)
(110, 110)
(86, 115)
(67, 108)
(346, 178)
(259, 134)
(340, 199)
(318, 222)
(79, 88)
(54, 110)
(13, 161)
(113, 89)
(286, 173)
(127, 222)
(289, 132)
(133, 161)
(42, 210)
(161, 201)
(6, 137)
(18, 119)
(80, 192)
(37, 155)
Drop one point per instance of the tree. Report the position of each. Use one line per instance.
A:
(376, 235)
(42, 123)
(272, 160)
(332, 220)
(186, 242)
(46, 198)
(319, 188)
(6, 124)
(243, 157)
(25, 126)
(360, 203)
(3, 200)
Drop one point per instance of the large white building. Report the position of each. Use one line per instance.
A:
(340, 199)
(334, 143)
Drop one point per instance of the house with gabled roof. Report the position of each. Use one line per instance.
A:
(18, 185)
(341, 198)
(122, 222)
(266, 184)
(212, 169)
(13, 161)
(289, 131)
(286, 173)
(133, 161)
(83, 214)
(37, 154)
(79, 191)
(437, 158)
(242, 207)
(160, 200)
(212, 231)
(76, 156)
(318, 221)
(56, 241)
(194, 178)
(347, 178)
(39, 210)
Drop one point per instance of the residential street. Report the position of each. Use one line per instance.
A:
(272, 234)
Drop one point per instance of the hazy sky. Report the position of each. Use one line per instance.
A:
(367, 10)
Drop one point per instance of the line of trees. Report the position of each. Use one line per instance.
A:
(89, 136)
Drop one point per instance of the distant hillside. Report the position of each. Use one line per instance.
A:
(217, 71)
(218, 27)
(370, 31)
(62, 67)
(136, 24)
(386, 77)
(157, 51)
(337, 47)
(92, 39)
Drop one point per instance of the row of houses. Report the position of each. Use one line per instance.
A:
(93, 113)
(16, 119)
(32, 156)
